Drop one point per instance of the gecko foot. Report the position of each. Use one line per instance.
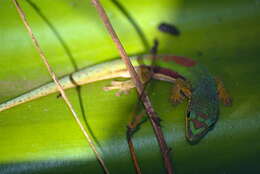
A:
(225, 97)
(222, 93)
(180, 91)
(123, 87)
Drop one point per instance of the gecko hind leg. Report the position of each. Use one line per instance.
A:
(125, 86)
(180, 90)
(122, 87)
(222, 93)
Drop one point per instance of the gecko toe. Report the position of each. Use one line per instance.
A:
(228, 101)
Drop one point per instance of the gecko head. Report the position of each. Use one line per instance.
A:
(203, 110)
(197, 126)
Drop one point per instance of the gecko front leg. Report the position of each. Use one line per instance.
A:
(181, 90)
(222, 93)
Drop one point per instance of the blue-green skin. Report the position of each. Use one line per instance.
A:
(203, 101)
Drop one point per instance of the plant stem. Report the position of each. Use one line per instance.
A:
(153, 118)
(55, 79)
(133, 154)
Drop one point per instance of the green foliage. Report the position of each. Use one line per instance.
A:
(42, 137)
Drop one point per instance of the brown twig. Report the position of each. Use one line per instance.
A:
(55, 79)
(153, 118)
(132, 153)
(131, 129)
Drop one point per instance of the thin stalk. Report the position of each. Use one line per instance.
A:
(153, 118)
(133, 154)
(55, 79)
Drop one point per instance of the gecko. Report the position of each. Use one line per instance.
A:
(191, 80)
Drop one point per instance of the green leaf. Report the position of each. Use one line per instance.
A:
(42, 137)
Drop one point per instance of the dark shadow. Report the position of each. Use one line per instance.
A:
(56, 33)
(50, 167)
(134, 24)
(72, 60)
(169, 28)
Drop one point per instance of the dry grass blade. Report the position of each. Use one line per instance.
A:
(55, 79)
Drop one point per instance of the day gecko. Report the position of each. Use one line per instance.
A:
(192, 80)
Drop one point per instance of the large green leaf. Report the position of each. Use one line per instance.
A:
(41, 136)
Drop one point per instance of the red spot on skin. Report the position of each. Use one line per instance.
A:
(202, 115)
(197, 124)
(167, 72)
(180, 60)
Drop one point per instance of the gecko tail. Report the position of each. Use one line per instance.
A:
(36, 93)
